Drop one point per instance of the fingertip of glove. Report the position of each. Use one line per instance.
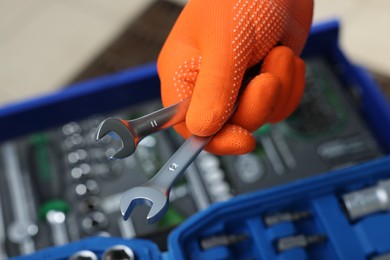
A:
(281, 51)
(231, 140)
(265, 79)
(203, 129)
(204, 122)
(280, 58)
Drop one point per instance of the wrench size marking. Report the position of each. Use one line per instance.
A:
(173, 167)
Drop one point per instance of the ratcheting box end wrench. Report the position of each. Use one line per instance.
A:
(155, 193)
(133, 131)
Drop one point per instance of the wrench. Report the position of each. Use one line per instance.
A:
(155, 192)
(133, 131)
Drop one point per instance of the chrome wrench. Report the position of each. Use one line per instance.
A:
(133, 131)
(155, 192)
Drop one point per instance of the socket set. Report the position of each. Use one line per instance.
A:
(60, 189)
(76, 190)
(343, 215)
(71, 190)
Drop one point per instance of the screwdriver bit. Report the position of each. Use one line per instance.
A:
(303, 241)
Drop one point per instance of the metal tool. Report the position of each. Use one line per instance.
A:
(23, 228)
(368, 201)
(285, 216)
(222, 240)
(291, 242)
(118, 252)
(155, 193)
(133, 131)
(57, 222)
(84, 255)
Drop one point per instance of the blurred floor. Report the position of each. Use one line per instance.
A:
(45, 43)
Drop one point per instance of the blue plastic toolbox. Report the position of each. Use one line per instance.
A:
(342, 214)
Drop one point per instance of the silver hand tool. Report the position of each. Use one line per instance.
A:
(84, 255)
(155, 193)
(222, 240)
(296, 241)
(368, 201)
(133, 131)
(22, 230)
(285, 216)
(118, 252)
(57, 222)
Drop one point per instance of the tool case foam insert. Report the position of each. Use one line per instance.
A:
(321, 195)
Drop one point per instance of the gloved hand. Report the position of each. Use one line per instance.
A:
(207, 53)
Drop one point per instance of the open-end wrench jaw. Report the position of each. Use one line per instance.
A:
(125, 133)
(155, 192)
(144, 195)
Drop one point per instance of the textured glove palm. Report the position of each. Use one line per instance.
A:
(207, 53)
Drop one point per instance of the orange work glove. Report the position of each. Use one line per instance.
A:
(207, 53)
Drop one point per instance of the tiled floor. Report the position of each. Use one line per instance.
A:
(43, 43)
